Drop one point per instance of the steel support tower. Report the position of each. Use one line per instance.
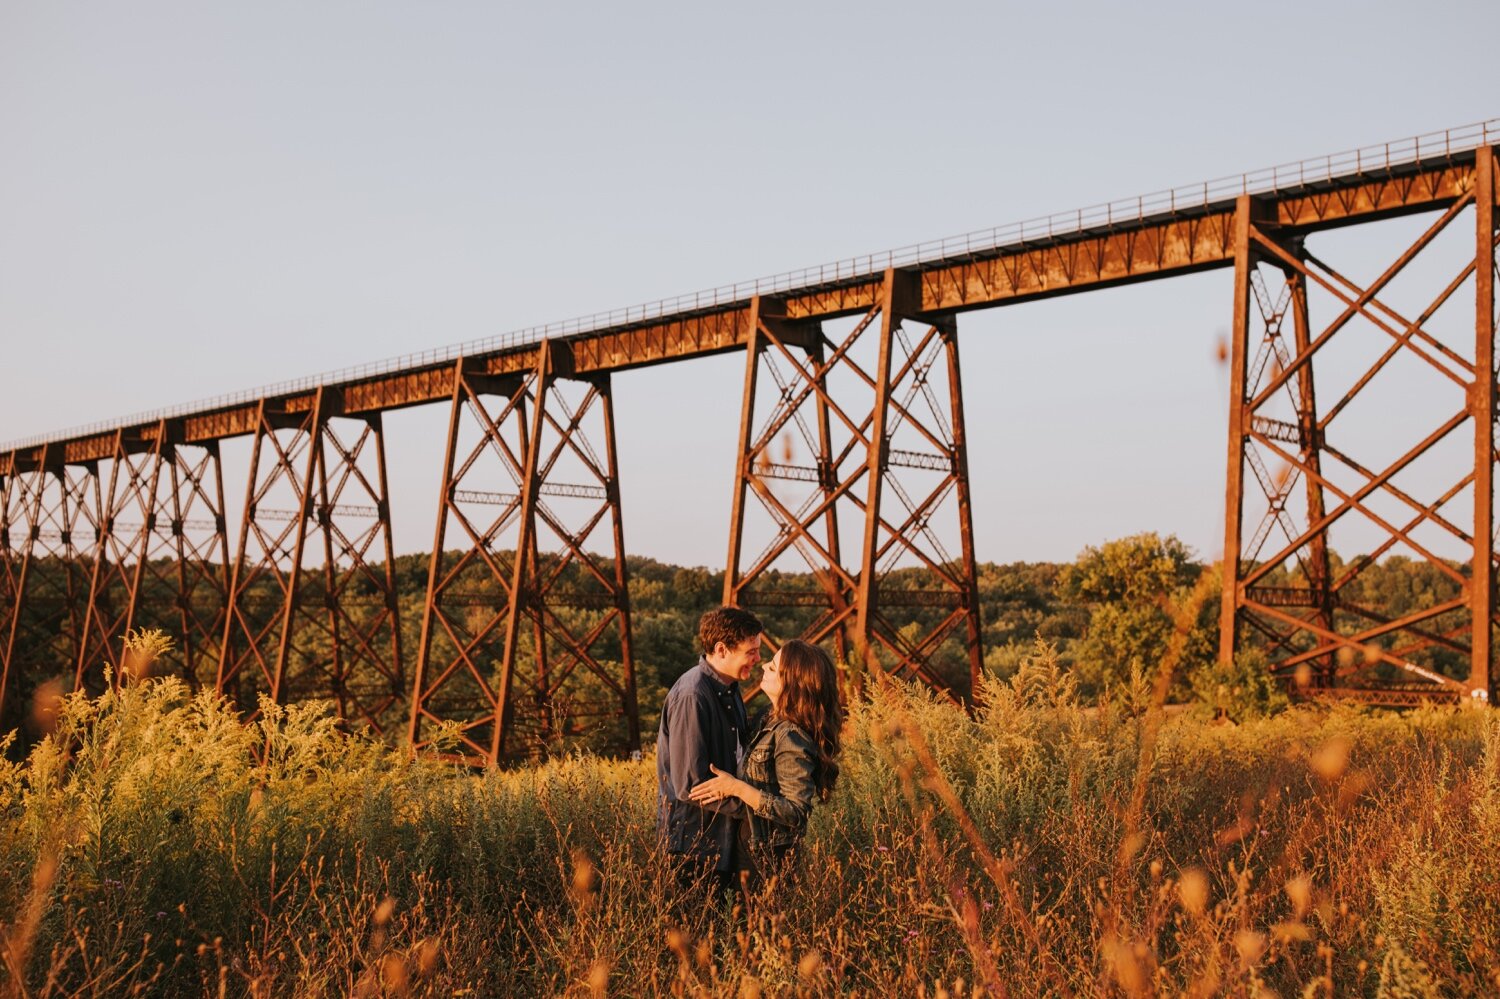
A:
(1309, 616)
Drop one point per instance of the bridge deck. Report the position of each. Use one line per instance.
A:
(1178, 232)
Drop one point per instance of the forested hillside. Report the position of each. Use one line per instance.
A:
(1108, 613)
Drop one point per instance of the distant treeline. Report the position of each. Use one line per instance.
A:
(1107, 613)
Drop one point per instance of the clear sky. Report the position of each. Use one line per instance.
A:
(201, 198)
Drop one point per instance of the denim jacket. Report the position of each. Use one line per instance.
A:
(780, 764)
(702, 722)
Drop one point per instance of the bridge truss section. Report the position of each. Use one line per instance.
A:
(1298, 471)
(312, 609)
(126, 532)
(526, 638)
(852, 473)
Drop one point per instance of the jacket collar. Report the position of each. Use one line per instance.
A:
(767, 721)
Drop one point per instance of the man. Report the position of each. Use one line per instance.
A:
(703, 722)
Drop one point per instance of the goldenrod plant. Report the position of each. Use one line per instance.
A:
(153, 844)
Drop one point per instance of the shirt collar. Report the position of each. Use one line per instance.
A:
(715, 679)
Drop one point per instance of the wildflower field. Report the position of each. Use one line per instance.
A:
(153, 845)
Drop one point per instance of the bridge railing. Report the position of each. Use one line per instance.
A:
(1187, 198)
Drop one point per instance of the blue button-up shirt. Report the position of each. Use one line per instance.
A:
(703, 722)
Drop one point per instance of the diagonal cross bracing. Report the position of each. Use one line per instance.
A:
(311, 611)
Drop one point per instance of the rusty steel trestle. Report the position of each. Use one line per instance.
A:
(526, 628)
(52, 528)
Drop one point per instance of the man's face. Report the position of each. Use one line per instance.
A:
(739, 660)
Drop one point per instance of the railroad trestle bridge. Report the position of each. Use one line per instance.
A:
(526, 618)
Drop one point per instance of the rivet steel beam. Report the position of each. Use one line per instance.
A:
(1482, 412)
(1234, 482)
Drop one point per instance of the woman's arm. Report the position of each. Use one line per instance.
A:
(725, 785)
(796, 757)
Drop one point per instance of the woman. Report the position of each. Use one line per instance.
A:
(791, 759)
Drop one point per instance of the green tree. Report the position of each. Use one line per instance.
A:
(1133, 586)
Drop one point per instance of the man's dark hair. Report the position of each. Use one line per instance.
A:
(730, 625)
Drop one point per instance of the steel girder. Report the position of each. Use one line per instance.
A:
(1307, 615)
(311, 615)
(877, 414)
(1127, 248)
(526, 639)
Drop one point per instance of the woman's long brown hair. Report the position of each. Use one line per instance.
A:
(810, 700)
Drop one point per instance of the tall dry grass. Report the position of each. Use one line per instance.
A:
(155, 846)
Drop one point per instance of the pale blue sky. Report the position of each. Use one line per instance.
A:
(200, 198)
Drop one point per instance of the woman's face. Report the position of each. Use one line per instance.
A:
(770, 678)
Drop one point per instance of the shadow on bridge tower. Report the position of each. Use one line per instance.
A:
(82, 565)
(312, 610)
(526, 638)
(1406, 345)
(50, 533)
(852, 472)
(162, 559)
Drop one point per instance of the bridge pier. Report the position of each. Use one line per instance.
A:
(525, 647)
(885, 453)
(297, 628)
(76, 563)
(1309, 619)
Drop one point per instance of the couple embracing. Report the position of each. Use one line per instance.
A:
(734, 793)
